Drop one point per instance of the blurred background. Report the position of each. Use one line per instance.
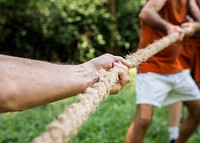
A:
(74, 31)
(68, 30)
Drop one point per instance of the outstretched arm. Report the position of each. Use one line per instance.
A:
(26, 83)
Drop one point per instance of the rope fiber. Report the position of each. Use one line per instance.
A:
(69, 122)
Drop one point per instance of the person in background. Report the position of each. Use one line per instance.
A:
(190, 59)
(26, 83)
(162, 80)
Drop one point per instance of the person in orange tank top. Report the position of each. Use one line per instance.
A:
(162, 80)
(190, 59)
(190, 54)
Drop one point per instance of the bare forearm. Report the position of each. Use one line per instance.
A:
(195, 10)
(150, 15)
(153, 19)
(28, 83)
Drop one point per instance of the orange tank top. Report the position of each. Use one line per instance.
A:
(190, 55)
(166, 61)
(198, 2)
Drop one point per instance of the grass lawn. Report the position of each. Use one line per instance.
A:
(107, 125)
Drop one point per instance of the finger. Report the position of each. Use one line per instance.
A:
(121, 66)
(101, 72)
(116, 88)
(184, 25)
(124, 77)
(122, 60)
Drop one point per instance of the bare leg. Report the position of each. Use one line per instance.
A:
(174, 111)
(191, 122)
(139, 126)
(174, 116)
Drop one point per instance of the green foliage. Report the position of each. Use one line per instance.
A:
(128, 23)
(67, 30)
(22, 127)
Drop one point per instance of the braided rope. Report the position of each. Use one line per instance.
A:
(69, 122)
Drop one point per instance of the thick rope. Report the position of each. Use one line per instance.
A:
(69, 122)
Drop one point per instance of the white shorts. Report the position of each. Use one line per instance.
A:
(161, 89)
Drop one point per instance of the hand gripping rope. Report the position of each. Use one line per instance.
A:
(68, 123)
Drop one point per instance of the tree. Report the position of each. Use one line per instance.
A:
(68, 30)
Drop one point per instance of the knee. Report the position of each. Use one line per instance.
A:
(145, 121)
(144, 116)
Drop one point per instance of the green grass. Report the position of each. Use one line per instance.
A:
(107, 125)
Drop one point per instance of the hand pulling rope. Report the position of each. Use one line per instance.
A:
(69, 122)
